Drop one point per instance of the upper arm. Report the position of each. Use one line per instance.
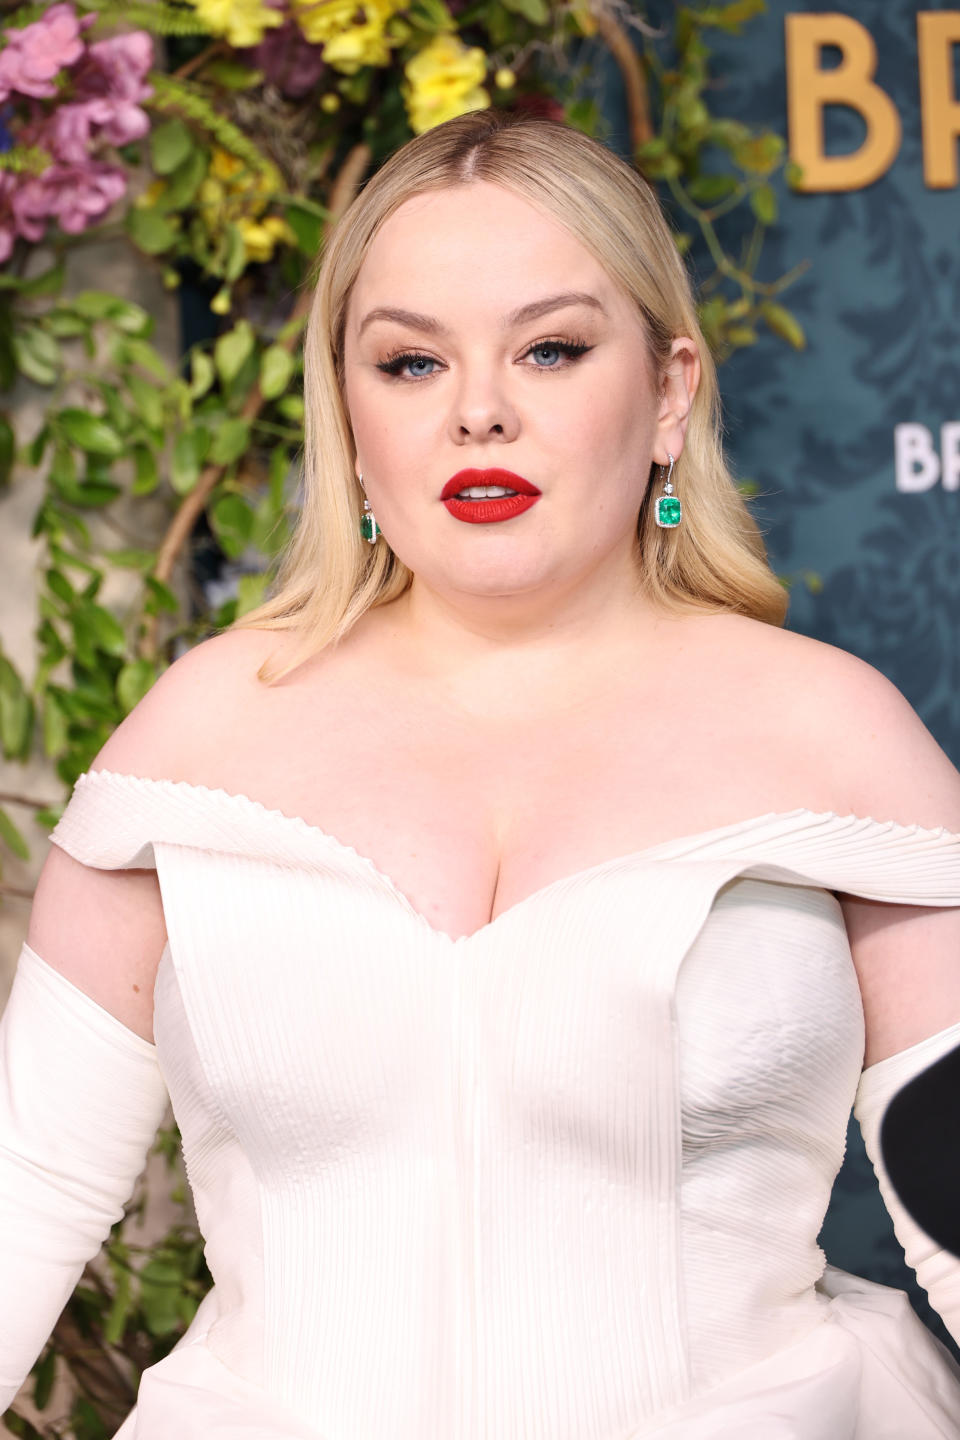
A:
(104, 929)
(889, 767)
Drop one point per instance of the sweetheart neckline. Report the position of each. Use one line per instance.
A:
(648, 852)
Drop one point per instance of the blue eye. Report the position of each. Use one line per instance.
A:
(549, 354)
(419, 365)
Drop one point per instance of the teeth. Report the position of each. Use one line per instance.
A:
(484, 492)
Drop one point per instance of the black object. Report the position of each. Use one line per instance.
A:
(920, 1147)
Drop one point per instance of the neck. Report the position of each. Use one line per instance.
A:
(536, 643)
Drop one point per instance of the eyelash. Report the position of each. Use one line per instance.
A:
(572, 349)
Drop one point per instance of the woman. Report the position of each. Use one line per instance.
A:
(506, 1111)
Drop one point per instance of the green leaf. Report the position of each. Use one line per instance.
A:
(536, 11)
(146, 476)
(19, 1426)
(150, 231)
(138, 352)
(106, 630)
(50, 282)
(147, 399)
(185, 181)
(119, 1312)
(170, 143)
(90, 433)
(785, 324)
(44, 1375)
(306, 226)
(65, 326)
(235, 253)
(231, 74)
(101, 305)
(16, 713)
(133, 682)
(230, 441)
(189, 450)
(276, 368)
(232, 521)
(61, 586)
(291, 407)
(36, 355)
(129, 558)
(162, 597)
(763, 203)
(12, 838)
(161, 1282)
(55, 725)
(708, 189)
(250, 592)
(232, 349)
(202, 373)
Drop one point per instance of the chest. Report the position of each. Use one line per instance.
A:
(468, 817)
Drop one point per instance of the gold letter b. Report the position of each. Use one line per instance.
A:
(810, 88)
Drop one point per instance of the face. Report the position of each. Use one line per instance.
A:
(482, 336)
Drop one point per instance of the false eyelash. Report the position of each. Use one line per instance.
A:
(573, 349)
(395, 363)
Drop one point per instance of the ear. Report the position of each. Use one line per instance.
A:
(678, 387)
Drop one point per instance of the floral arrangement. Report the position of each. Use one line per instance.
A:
(221, 139)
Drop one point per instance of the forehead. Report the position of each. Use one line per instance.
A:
(473, 241)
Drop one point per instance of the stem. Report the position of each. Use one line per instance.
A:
(14, 892)
(631, 68)
(189, 66)
(8, 798)
(344, 188)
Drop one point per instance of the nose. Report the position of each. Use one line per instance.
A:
(482, 411)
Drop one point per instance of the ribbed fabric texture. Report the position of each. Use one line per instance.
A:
(552, 1180)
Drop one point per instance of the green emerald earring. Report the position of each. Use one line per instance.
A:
(369, 528)
(667, 508)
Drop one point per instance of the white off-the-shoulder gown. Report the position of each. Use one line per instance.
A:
(561, 1179)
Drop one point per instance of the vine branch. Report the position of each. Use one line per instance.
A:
(344, 188)
(630, 65)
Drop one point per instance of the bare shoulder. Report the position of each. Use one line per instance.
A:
(183, 719)
(846, 716)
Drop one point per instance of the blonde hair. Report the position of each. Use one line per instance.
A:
(329, 575)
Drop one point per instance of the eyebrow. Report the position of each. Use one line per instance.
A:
(532, 311)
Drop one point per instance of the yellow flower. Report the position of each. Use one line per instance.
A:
(241, 21)
(232, 188)
(352, 35)
(151, 195)
(260, 237)
(443, 82)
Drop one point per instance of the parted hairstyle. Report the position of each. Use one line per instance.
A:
(329, 575)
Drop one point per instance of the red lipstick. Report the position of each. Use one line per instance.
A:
(499, 507)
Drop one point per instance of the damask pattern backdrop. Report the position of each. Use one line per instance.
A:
(815, 430)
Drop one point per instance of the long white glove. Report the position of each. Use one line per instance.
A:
(81, 1097)
(938, 1271)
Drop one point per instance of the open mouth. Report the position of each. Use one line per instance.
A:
(488, 496)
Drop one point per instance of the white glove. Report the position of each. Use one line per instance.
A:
(938, 1271)
(81, 1097)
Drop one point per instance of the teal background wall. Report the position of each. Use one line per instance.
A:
(815, 430)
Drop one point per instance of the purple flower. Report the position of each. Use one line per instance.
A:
(109, 86)
(80, 194)
(30, 206)
(288, 60)
(73, 195)
(33, 55)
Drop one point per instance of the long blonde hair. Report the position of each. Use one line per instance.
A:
(329, 575)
